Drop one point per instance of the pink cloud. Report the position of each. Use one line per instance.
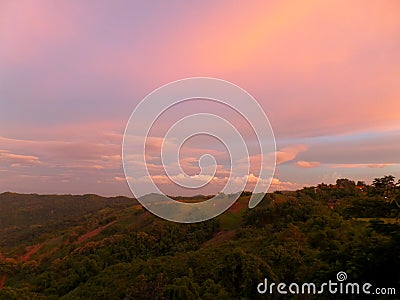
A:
(341, 78)
(370, 165)
(69, 154)
(18, 159)
(277, 184)
(119, 178)
(308, 164)
(380, 166)
(289, 153)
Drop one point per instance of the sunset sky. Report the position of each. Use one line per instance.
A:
(326, 73)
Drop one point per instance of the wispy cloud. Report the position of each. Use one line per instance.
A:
(308, 164)
(16, 160)
(367, 165)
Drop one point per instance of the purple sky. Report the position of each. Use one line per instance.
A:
(327, 74)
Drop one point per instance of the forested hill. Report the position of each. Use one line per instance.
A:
(90, 247)
(25, 217)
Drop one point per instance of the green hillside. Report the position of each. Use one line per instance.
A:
(25, 218)
(90, 247)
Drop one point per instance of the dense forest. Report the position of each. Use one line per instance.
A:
(90, 247)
